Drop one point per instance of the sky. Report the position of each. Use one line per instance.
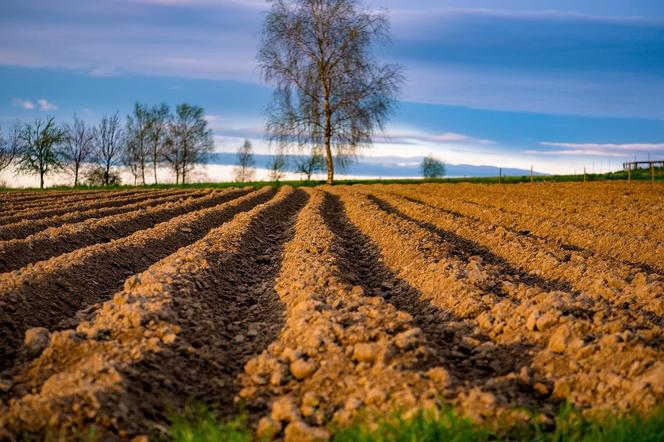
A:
(559, 85)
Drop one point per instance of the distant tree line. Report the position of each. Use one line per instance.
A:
(150, 138)
(277, 167)
(308, 165)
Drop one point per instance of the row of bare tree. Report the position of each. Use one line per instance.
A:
(151, 137)
(304, 165)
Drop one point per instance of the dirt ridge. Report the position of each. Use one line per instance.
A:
(54, 241)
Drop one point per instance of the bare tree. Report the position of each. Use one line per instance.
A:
(172, 154)
(158, 134)
(191, 137)
(139, 125)
(308, 165)
(277, 166)
(37, 148)
(330, 91)
(77, 146)
(244, 171)
(110, 145)
(9, 146)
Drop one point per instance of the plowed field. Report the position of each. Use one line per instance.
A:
(305, 308)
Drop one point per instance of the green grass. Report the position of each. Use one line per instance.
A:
(637, 175)
(570, 426)
(199, 424)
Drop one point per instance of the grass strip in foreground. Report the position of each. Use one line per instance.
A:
(200, 424)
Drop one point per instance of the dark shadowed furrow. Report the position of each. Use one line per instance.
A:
(114, 201)
(15, 254)
(361, 263)
(147, 352)
(28, 227)
(66, 199)
(49, 293)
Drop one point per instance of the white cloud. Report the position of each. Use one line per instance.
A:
(606, 150)
(444, 138)
(104, 71)
(45, 105)
(25, 104)
(608, 146)
(580, 152)
(211, 118)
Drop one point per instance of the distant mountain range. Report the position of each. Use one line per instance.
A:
(383, 166)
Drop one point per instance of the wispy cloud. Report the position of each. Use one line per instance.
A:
(419, 138)
(46, 105)
(25, 104)
(597, 149)
(575, 152)
(609, 146)
(510, 57)
(211, 118)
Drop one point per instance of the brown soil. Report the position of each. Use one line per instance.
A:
(50, 293)
(37, 197)
(28, 227)
(15, 254)
(147, 348)
(58, 209)
(321, 303)
(67, 199)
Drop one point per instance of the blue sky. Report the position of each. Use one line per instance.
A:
(556, 84)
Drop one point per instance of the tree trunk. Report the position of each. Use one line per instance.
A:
(184, 162)
(154, 167)
(107, 172)
(328, 140)
(75, 175)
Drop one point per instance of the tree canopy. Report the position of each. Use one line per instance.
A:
(432, 167)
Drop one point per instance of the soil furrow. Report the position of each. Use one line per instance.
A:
(51, 242)
(569, 336)
(181, 330)
(68, 199)
(595, 216)
(303, 308)
(17, 197)
(631, 250)
(599, 278)
(28, 227)
(454, 339)
(343, 348)
(49, 293)
(114, 201)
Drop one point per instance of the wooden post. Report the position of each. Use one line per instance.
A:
(531, 174)
(584, 174)
(500, 175)
(652, 172)
(629, 173)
